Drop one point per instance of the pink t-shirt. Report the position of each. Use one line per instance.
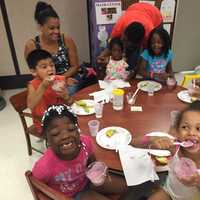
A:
(67, 176)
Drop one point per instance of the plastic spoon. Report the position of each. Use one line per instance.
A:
(185, 144)
(135, 93)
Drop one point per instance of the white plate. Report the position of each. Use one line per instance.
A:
(144, 85)
(121, 137)
(160, 134)
(184, 96)
(80, 111)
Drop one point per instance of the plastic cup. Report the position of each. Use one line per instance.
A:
(58, 85)
(98, 107)
(185, 168)
(96, 173)
(150, 90)
(173, 117)
(171, 83)
(130, 100)
(118, 99)
(94, 127)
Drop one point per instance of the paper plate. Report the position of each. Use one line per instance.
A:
(79, 110)
(184, 96)
(144, 85)
(159, 134)
(120, 137)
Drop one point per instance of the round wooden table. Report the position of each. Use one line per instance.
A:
(154, 117)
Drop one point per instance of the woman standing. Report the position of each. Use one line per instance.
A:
(61, 46)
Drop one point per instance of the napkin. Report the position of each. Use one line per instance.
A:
(137, 165)
(102, 95)
(118, 83)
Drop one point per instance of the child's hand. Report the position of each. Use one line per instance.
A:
(48, 81)
(193, 180)
(71, 81)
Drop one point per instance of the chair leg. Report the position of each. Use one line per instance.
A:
(28, 142)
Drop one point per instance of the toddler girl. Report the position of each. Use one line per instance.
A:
(117, 66)
(156, 59)
(183, 187)
(64, 164)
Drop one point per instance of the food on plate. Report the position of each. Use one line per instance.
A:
(110, 132)
(193, 99)
(162, 160)
(83, 105)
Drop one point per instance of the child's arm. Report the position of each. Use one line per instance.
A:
(169, 69)
(35, 96)
(142, 69)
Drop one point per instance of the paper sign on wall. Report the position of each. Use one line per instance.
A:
(150, 2)
(108, 12)
(167, 27)
(167, 10)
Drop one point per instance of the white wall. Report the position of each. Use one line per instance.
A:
(186, 39)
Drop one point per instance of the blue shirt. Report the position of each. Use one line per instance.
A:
(157, 64)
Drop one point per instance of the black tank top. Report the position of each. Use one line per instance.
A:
(60, 59)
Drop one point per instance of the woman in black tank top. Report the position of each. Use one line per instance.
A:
(61, 46)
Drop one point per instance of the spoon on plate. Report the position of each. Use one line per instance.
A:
(185, 144)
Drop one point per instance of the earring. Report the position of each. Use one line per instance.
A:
(79, 130)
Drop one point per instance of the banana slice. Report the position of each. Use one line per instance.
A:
(110, 132)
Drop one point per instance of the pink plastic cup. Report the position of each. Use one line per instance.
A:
(185, 168)
(96, 173)
(171, 83)
(58, 85)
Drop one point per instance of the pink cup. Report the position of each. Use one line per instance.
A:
(185, 168)
(96, 173)
(58, 85)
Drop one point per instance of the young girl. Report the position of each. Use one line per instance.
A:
(117, 66)
(156, 59)
(187, 129)
(64, 164)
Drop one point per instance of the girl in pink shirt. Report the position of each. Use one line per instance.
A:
(64, 164)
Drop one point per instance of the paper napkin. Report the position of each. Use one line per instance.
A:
(137, 165)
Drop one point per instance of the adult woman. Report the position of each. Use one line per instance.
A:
(61, 46)
(134, 27)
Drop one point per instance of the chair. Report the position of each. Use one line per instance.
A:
(41, 191)
(189, 77)
(19, 102)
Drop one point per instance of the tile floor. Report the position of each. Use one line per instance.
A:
(13, 153)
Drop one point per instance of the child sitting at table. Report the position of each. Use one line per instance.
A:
(63, 166)
(156, 60)
(187, 129)
(41, 90)
(117, 68)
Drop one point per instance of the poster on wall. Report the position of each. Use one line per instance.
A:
(107, 12)
(167, 10)
(150, 2)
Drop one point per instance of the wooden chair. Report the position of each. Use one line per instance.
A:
(41, 191)
(19, 102)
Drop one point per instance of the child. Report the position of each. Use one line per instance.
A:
(64, 164)
(40, 90)
(187, 129)
(156, 59)
(117, 66)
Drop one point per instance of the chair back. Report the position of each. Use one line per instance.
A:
(41, 191)
(19, 102)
